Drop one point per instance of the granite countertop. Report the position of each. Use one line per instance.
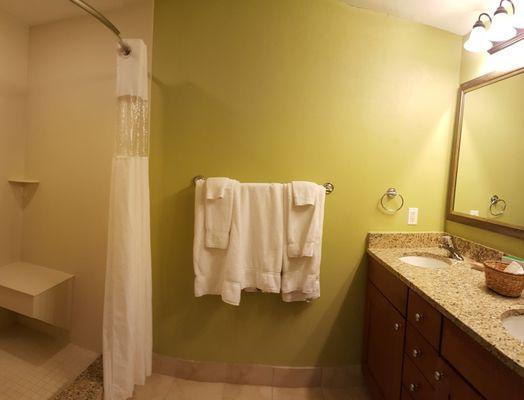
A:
(457, 291)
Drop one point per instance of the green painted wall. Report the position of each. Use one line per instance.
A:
(276, 90)
(473, 66)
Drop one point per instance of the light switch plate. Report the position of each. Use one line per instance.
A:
(413, 216)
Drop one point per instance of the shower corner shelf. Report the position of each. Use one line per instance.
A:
(22, 181)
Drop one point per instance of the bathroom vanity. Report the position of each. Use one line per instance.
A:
(436, 333)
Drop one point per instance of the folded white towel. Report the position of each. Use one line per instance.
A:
(305, 216)
(514, 268)
(260, 220)
(217, 272)
(218, 211)
(304, 193)
(301, 263)
(253, 258)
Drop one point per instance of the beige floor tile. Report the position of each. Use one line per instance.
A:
(192, 390)
(246, 392)
(156, 388)
(352, 393)
(297, 394)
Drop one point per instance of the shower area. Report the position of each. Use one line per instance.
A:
(58, 129)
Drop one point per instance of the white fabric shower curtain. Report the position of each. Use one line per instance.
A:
(127, 329)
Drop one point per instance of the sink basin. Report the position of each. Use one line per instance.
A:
(425, 261)
(513, 321)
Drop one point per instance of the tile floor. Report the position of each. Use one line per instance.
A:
(161, 387)
(35, 366)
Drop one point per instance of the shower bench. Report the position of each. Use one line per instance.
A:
(37, 292)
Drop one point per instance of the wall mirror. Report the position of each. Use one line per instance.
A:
(486, 186)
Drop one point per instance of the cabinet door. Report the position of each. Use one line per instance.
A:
(385, 329)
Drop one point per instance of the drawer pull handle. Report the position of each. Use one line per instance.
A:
(413, 387)
(396, 326)
(416, 353)
(418, 317)
(438, 375)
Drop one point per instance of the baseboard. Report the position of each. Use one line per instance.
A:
(256, 374)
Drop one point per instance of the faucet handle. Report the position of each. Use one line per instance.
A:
(447, 240)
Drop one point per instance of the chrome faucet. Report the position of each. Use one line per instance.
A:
(449, 246)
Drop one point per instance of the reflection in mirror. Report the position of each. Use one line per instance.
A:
(490, 171)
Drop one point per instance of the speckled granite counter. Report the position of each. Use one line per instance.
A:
(457, 291)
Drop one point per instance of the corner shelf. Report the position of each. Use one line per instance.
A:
(20, 181)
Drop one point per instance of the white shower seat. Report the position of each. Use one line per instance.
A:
(37, 292)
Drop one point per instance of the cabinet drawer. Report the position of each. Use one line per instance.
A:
(425, 318)
(414, 383)
(427, 360)
(480, 368)
(389, 285)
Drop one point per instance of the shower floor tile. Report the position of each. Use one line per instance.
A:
(35, 366)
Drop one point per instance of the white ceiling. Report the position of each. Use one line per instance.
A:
(34, 12)
(457, 16)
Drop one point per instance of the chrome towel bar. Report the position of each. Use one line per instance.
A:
(328, 185)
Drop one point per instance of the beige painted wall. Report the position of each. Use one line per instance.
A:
(272, 90)
(14, 40)
(72, 120)
(472, 66)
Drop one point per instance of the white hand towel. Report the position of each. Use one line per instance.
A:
(304, 193)
(301, 275)
(218, 211)
(515, 268)
(305, 215)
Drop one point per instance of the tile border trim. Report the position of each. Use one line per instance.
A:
(256, 374)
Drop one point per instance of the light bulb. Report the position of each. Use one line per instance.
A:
(478, 40)
(502, 26)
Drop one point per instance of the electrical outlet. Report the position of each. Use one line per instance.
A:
(413, 216)
(475, 213)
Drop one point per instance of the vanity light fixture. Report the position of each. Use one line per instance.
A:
(502, 25)
(478, 40)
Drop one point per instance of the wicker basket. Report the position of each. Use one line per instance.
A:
(503, 283)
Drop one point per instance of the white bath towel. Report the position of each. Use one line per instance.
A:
(218, 211)
(260, 217)
(253, 258)
(301, 264)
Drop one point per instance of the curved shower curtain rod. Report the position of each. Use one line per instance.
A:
(124, 48)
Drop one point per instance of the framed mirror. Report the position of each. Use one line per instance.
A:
(486, 185)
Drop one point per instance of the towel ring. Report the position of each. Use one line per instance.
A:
(494, 202)
(391, 193)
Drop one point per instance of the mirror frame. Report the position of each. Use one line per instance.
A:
(499, 227)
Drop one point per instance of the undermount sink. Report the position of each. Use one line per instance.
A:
(513, 321)
(425, 261)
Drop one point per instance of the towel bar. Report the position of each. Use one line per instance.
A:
(328, 185)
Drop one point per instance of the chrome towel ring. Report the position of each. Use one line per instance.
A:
(494, 202)
(391, 193)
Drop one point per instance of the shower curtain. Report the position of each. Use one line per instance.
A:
(127, 329)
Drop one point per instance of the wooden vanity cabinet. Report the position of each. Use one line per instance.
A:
(412, 352)
(384, 344)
